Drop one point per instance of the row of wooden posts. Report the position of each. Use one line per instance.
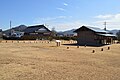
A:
(24, 41)
(18, 41)
(58, 44)
(93, 51)
(102, 49)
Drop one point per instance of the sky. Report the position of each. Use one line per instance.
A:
(60, 14)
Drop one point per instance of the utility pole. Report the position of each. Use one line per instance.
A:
(105, 24)
(10, 28)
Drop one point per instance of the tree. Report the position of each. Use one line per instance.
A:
(54, 32)
(118, 35)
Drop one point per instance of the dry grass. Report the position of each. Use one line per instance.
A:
(45, 61)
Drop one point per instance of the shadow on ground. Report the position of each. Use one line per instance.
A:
(86, 45)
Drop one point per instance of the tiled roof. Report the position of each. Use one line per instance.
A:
(32, 29)
(109, 35)
(0, 30)
(97, 29)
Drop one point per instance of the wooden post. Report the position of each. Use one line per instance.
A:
(67, 47)
(101, 49)
(108, 48)
(93, 51)
(57, 44)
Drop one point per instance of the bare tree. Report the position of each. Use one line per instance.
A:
(53, 32)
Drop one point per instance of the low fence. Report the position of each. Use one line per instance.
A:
(36, 41)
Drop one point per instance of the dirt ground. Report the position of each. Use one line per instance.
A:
(45, 61)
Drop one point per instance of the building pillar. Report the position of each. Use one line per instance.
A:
(111, 40)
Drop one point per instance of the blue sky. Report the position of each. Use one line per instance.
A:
(60, 14)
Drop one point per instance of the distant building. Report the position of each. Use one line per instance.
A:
(0, 33)
(17, 34)
(69, 33)
(14, 33)
(36, 32)
(66, 34)
(93, 36)
(17, 29)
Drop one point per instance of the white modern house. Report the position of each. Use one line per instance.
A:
(17, 34)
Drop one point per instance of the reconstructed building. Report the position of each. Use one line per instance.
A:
(0, 33)
(93, 36)
(36, 32)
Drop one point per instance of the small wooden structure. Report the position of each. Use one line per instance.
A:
(58, 42)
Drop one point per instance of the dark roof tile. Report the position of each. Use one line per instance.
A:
(97, 30)
(32, 29)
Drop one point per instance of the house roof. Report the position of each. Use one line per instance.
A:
(107, 35)
(36, 28)
(97, 30)
(0, 30)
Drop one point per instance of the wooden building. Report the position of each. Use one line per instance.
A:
(36, 32)
(0, 33)
(93, 36)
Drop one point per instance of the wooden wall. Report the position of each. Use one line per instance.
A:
(86, 37)
(0, 34)
(35, 36)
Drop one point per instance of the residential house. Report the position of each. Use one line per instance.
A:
(17, 29)
(14, 33)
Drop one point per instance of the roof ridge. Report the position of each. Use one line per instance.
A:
(35, 26)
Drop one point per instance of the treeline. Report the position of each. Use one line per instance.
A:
(63, 38)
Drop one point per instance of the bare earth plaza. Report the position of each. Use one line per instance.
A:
(40, 60)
